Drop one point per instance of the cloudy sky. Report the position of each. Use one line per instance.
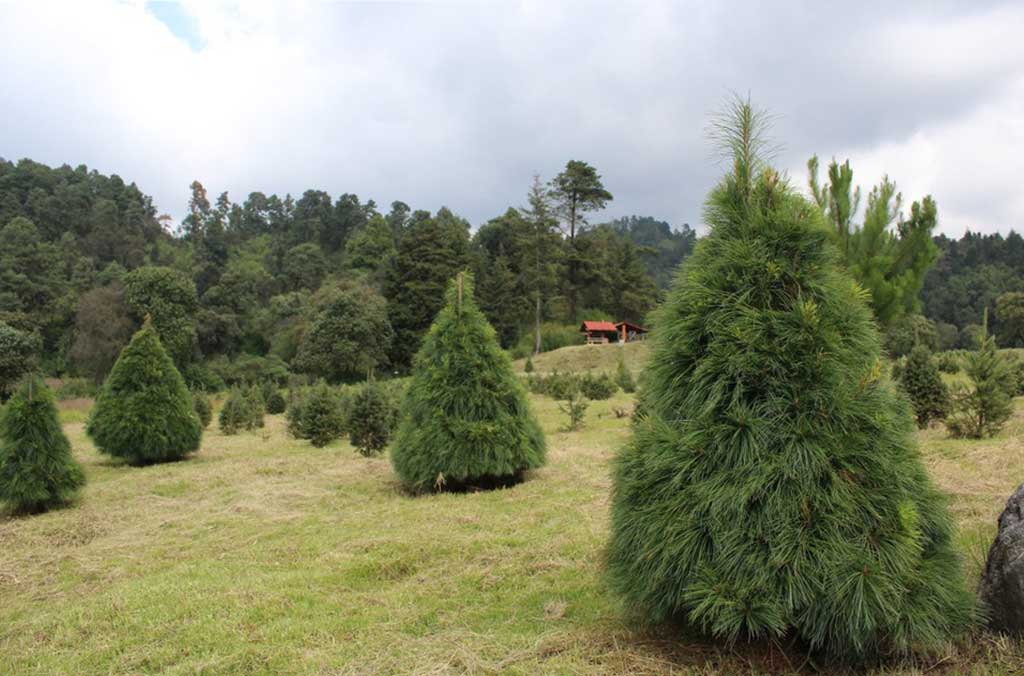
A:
(460, 104)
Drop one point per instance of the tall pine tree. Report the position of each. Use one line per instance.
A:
(466, 421)
(773, 484)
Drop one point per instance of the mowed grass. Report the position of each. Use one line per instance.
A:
(264, 555)
(594, 358)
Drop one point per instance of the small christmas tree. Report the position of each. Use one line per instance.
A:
(317, 414)
(37, 470)
(983, 410)
(234, 414)
(254, 408)
(203, 408)
(772, 485)
(623, 378)
(922, 382)
(144, 412)
(466, 417)
(371, 420)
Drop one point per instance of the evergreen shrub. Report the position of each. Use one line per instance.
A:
(37, 470)
(466, 419)
(202, 406)
(144, 413)
(317, 414)
(372, 419)
(982, 409)
(921, 380)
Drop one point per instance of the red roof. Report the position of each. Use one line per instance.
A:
(598, 326)
(630, 325)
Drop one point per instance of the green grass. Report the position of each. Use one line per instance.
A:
(596, 358)
(265, 555)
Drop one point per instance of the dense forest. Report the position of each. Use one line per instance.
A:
(329, 286)
(336, 287)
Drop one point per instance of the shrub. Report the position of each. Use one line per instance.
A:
(371, 420)
(466, 419)
(528, 366)
(276, 403)
(772, 486)
(922, 382)
(234, 414)
(199, 377)
(37, 470)
(575, 407)
(203, 408)
(18, 353)
(908, 331)
(948, 362)
(254, 407)
(552, 337)
(596, 387)
(144, 412)
(982, 410)
(623, 378)
(76, 388)
(316, 414)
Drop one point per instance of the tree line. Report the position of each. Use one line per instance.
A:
(337, 287)
(330, 286)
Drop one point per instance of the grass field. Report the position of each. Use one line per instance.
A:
(265, 555)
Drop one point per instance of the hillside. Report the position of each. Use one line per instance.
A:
(596, 358)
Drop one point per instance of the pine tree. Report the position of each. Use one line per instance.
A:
(371, 420)
(922, 382)
(983, 410)
(466, 417)
(201, 405)
(234, 414)
(623, 378)
(144, 412)
(37, 470)
(254, 408)
(772, 484)
(317, 414)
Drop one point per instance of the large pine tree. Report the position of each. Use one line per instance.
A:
(466, 419)
(773, 484)
(144, 412)
(37, 470)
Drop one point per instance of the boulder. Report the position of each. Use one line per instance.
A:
(1002, 584)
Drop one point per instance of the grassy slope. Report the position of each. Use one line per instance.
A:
(265, 555)
(595, 358)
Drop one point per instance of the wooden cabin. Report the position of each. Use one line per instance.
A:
(601, 333)
(628, 332)
(598, 333)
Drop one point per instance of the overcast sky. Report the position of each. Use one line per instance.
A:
(460, 104)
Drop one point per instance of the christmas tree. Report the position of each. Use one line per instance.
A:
(144, 412)
(773, 485)
(466, 421)
(37, 470)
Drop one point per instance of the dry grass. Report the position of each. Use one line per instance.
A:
(265, 555)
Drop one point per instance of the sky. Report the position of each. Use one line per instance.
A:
(460, 104)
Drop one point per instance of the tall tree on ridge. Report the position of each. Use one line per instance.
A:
(576, 191)
(542, 243)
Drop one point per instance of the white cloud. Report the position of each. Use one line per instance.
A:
(460, 104)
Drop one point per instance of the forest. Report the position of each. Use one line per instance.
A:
(335, 287)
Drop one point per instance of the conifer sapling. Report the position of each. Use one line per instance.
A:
(466, 419)
(144, 412)
(37, 470)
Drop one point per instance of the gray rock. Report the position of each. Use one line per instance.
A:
(1002, 584)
